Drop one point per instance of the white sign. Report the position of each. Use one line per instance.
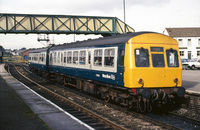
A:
(108, 76)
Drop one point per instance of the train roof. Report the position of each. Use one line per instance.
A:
(117, 39)
(111, 40)
(39, 50)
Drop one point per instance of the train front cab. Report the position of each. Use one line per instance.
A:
(153, 67)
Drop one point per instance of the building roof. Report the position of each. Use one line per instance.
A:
(26, 51)
(184, 32)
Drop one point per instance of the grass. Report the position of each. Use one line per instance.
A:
(17, 59)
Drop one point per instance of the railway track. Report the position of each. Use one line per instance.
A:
(94, 120)
(121, 118)
(194, 105)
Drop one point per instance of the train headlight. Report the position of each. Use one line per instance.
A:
(140, 81)
(176, 80)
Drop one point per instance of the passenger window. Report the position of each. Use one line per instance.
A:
(36, 57)
(158, 60)
(44, 57)
(98, 57)
(58, 57)
(29, 57)
(172, 58)
(54, 58)
(109, 57)
(64, 57)
(141, 58)
(121, 58)
(50, 58)
(61, 59)
(82, 57)
(40, 57)
(75, 57)
(69, 57)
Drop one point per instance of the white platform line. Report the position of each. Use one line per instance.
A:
(195, 92)
(79, 121)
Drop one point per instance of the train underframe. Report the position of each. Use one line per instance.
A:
(140, 99)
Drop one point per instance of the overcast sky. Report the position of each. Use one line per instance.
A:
(142, 15)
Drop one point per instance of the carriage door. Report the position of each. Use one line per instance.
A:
(120, 67)
(61, 60)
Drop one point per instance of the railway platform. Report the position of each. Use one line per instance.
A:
(191, 82)
(22, 108)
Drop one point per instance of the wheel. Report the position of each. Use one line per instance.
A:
(192, 67)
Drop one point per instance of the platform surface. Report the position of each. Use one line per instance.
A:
(16, 97)
(191, 80)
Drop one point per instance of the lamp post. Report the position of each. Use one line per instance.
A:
(124, 16)
(124, 11)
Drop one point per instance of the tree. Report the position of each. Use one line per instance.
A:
(23, 48)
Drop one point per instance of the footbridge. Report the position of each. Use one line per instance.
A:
(62, 24)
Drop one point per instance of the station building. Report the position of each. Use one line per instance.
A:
(25, 54)
(188, 40)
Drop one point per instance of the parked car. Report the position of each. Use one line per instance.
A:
(191, 64)
(184, 60)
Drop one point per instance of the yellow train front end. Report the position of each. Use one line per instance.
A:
(153, 67)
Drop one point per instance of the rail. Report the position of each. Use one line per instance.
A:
(75, 105)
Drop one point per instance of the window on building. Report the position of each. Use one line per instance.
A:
(75, 57)
(109, 57)
(198, 53)
(82, 57)
(189, 42)
(98, 57)
(199, 42)
(180, 42)
(69, 57)
(181, 53)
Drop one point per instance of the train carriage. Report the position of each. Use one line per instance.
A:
(134, 69)
(37, 60)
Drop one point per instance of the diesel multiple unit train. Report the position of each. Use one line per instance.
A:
(139, 70)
